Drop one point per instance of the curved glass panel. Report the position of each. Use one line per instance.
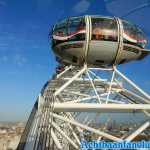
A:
(133, 35)
(104, 29)
(72, 29)
(59, 33)
(76, 29)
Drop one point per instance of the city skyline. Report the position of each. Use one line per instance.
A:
(26, 58)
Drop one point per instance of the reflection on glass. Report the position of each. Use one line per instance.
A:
(104, 29)
(76, 29)
(133, 35)
(72, 29)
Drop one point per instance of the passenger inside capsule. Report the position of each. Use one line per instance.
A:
(104, 29)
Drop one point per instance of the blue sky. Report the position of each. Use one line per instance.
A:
(26, 59)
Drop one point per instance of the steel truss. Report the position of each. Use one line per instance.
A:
(61, 114)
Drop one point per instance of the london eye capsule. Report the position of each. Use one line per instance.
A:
(97, 41)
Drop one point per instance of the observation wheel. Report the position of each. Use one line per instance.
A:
(80, 101)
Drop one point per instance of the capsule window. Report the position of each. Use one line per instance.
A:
(61, 28)
(133, 35)
(76, 29)
(104, 29)
(71, 29)
(59, 34)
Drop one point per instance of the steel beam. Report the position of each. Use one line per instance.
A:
(83, 126)
(138, 131)
(70, 81)
(88, 107)
(58, 145)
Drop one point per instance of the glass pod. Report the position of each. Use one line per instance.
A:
(95, 40)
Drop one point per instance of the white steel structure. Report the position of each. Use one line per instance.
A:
(62, 112)
(71, 104)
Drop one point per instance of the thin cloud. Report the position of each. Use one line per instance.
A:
(41, 66)
(82, 6)
(19, 60)
(4, 59)
(3, 45)
(43, 6)
(2, 3)
(126, 8)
